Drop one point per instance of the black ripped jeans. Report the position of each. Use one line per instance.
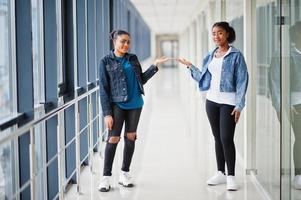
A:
(130, 118)
(223, 128)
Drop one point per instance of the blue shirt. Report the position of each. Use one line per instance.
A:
(135, 99)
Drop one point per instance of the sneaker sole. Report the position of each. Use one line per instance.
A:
(232, 189)
(105, 189)
(213, 184)
(129, 185)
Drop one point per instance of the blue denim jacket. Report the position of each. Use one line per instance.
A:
(234, 77)
(112, 82)
(274, 76)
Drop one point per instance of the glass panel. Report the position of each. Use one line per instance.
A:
(6, 176)
(59, 19)
(268, 97)
(36, 52)
(4, 61)
(234, 15)
(40, 157)
(292, 127)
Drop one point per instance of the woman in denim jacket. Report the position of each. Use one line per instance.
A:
(121, 88)
(224, 76)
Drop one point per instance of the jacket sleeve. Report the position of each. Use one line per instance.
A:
(242, 78)
(197, 73)
(150, 72)
(104, 89)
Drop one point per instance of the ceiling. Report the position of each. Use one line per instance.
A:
(166, 16)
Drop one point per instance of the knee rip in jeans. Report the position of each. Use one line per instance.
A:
(113, 139)
(131, 136)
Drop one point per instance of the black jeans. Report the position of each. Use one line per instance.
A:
(223, 127)
(130, 118)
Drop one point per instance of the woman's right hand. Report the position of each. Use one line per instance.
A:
(109, 122)
(160, 60)
(184, 62)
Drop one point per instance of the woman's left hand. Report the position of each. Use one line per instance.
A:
(236, 114)
(161, 60)
(184, 62)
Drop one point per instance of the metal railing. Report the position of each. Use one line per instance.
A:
(63, 181)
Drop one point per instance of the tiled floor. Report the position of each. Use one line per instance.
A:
(167, 165)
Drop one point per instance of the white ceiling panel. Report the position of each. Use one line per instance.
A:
(166, 16)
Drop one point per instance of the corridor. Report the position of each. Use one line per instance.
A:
(170, 161)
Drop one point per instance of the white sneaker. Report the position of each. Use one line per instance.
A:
(231, 183)
(104, 185)
(297, 182)
(218, 178)
(125, 179)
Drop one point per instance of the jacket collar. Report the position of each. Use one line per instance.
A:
(112, 55)
(233, 50)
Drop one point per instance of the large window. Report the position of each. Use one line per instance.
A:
(37, 52)
(5, 100)
(234, 15)
(38, 85)
(5, 94)
(268, 98)
(291, 123)
(6, 176)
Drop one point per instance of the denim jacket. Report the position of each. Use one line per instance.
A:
(234, 75)
(274, 76)
(112, 80)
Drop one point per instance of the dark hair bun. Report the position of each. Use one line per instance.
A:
(112, 34)
(115, 33)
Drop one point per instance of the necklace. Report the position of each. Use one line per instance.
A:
(219, 53)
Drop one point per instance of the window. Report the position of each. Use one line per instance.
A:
(6, 176)
(234, 15)
(5, 95)
(37, 52)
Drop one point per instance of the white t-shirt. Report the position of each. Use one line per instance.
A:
(214, 94)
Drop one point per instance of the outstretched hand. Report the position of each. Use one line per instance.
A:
(184, 62)
(161, 60)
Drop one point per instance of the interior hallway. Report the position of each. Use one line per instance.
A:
(168, 163)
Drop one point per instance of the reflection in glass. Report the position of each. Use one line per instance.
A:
(295, 101)
(295, 89)
(267, 123)
(4, 60)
